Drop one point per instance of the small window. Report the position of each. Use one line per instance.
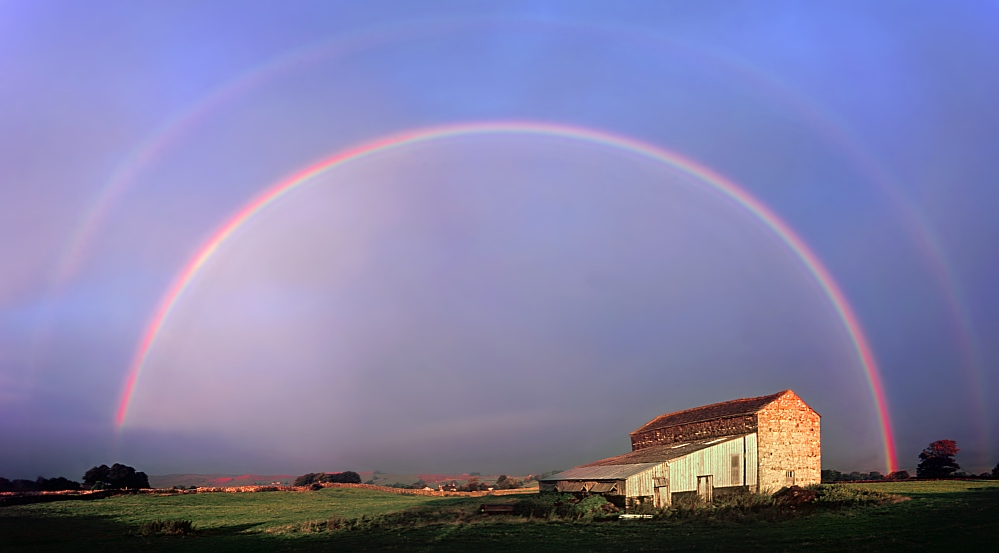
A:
(736, 469)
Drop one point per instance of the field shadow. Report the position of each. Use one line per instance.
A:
(23, 532)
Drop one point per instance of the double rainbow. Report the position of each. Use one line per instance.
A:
(704, 174)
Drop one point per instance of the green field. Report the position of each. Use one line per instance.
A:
(940, 516)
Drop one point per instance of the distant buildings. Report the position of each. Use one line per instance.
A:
(755, 444)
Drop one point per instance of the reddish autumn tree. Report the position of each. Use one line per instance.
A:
(937, 460)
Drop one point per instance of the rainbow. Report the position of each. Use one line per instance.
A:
(713, 179)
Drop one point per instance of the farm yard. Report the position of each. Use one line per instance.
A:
(923, 516)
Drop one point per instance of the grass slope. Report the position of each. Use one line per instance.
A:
(954, 516)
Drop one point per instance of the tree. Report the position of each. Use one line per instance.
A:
(472, 484)
(995, 471)
(116, 476)
(937, 460)
(505, 482)
(307, 479)
(346, 477)
(898, 475)
(56, 484)
(96, 475)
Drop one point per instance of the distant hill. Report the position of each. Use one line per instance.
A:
(380, 478)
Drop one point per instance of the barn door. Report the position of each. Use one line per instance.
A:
(662, 497)
(706, 488)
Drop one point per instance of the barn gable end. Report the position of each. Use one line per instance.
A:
(790, 448)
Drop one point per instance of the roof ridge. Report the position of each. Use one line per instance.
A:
(772, 398)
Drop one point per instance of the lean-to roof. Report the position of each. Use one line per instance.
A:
(608, 472)
(660, 453)
(634, 462)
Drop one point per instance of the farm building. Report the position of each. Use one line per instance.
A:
(755, 444)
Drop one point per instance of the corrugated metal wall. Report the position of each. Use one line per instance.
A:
(732, 463)
(752, 461)
(641, 484)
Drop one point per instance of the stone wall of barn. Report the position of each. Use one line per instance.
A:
(727, 426)
(789, 444)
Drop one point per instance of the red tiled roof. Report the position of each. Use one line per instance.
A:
(735, 407)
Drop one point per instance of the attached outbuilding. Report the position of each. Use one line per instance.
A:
(752, 444)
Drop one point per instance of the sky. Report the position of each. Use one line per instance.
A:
(437, 236)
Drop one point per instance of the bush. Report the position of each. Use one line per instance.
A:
(18, 485)
(847, 496)
(591, 506)
(56, 484)
(542, 505)
(505, 482)
(549, 505)
(167, 527)
(346, 477)
(738, 507)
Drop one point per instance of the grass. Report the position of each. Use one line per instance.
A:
(954, 516)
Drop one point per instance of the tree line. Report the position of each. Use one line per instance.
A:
(938, 460)
(103, 477)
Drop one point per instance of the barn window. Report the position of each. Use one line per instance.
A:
(735, 469)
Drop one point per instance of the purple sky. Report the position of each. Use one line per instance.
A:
(494, 303)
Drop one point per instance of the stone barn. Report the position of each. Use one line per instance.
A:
(754, 444)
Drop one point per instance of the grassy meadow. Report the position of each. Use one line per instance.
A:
(938, 516)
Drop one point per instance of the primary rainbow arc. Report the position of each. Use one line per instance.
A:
(808, 258)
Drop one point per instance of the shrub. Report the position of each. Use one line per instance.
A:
(542, 505)
(846, 496)
(167, 527)
(591, 506)
(505, 482)
(346, 477)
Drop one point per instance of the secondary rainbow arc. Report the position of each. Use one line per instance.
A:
(808, 258)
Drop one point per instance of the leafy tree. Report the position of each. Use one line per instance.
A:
(18, 485)
(116, 476)
(505, 482)
(995, 471)
(419, 484)
(348, 477)
(473, 484)
(56, 484)
(898, 475)
(307, 479)
(97, 475)
(937, 460)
